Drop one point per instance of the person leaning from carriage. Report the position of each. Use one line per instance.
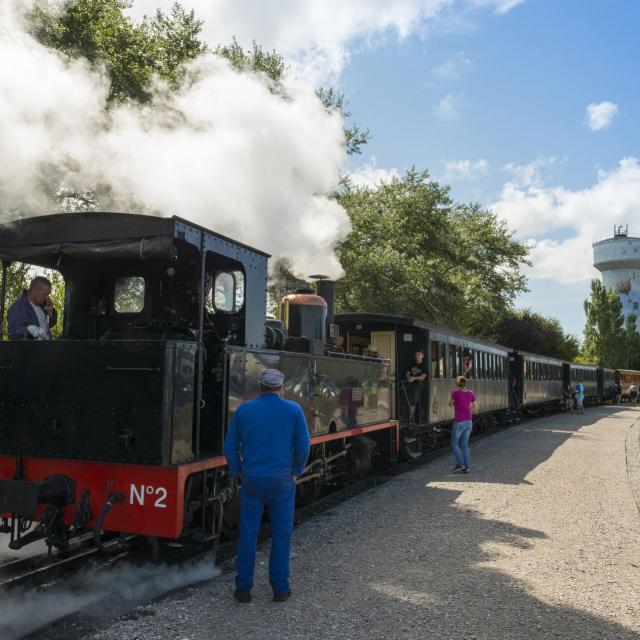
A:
(266, 446)
(32, 315)
(415, 375)
(464, 404)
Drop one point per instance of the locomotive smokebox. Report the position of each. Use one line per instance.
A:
(304, 315)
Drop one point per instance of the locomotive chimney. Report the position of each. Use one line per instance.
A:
(326, 289)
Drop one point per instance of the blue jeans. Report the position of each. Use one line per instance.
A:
(460, 433)
(279, 495)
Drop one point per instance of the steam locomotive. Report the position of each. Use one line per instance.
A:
(118, 425)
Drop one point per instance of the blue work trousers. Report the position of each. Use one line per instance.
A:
(460, 433)
(278, 494)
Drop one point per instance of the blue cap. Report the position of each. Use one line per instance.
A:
(271, 378)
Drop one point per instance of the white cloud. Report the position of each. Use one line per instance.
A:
(498, 6)
(531, 174)
(448, 108)
(370, 175)
(316, 36)
(600, 115)
(453, 68)
(458, 170)
(561, 224)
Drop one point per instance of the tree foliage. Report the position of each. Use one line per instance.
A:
(133, 53)
(414, 251)
(354, 137)
(528, 331)
(604, 332)
(255, 59)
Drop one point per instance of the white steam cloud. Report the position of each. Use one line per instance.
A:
(226, 152)
(121, 588)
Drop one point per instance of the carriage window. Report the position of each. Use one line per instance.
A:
(442, 360)
(128, 295)
(435, 373)
(224, 292)
(452, 361)
(467, 364)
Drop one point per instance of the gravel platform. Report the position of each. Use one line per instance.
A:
(541, 540)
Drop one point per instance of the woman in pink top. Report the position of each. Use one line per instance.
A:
(464, 404)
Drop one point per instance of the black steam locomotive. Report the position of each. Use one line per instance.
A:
(118, 425)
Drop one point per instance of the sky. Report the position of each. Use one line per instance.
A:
(526, 106)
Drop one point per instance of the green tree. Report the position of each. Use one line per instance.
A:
(412, 250)
(354, 137)
(604, 335)
(528, 331)
(255, 59)
(133, 53)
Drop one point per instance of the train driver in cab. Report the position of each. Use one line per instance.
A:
(415, 375)
(32, 315)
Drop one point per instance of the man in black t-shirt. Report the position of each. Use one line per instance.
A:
(415, 376)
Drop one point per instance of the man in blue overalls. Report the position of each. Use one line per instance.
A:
(267, 446)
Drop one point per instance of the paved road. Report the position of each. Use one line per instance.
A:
(541, 540)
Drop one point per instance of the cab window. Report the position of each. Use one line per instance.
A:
(128, 296)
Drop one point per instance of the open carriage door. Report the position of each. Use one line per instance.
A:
(386, 343)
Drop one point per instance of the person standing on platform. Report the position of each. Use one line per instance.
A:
(464, 404)
(267, 446)
(580, 397)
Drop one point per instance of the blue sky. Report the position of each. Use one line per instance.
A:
(521, 83)
(529, 107)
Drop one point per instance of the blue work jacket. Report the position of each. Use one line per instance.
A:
(20, 315)
(267, 437)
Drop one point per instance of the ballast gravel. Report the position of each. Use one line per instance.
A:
(541, 540)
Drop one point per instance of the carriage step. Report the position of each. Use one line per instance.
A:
(410, 440)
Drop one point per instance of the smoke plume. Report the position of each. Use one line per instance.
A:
(225, 152)
(108, 592)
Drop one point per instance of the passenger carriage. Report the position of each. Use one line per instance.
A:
(587, 375)
(536, 382)
(398, 338)
(625, 378)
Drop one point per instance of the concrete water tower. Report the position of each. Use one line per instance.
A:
(618, 260)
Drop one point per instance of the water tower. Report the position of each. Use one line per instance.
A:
(618, 260)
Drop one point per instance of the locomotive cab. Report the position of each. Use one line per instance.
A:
(150, 303)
